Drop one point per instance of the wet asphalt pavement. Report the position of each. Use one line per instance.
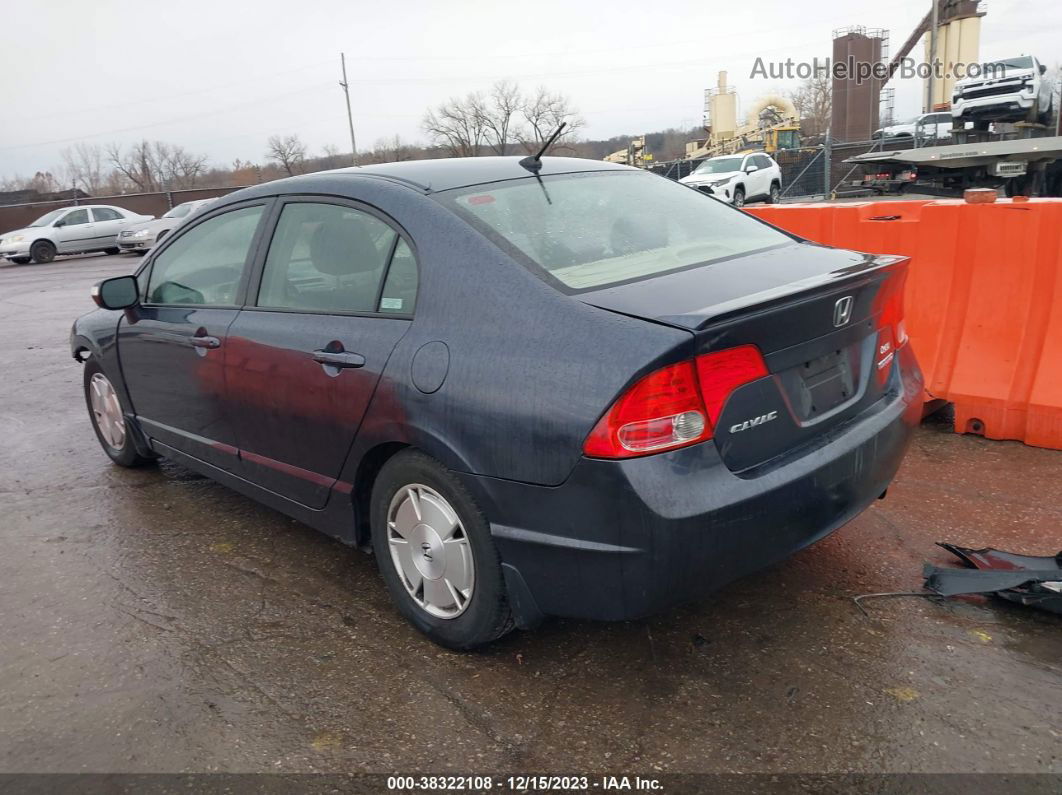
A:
(152, 620)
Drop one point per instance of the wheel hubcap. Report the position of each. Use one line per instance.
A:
(430, 551)
(107, 411)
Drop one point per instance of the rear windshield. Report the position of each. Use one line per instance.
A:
(593, 230)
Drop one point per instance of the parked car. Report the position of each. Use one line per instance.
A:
(1013, 89)
(138, 238)
(924, 127)
(69, 230)
(578, 390)
(738, 178)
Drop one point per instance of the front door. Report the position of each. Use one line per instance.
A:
(336, 294)
(173, 346)
(75, 231)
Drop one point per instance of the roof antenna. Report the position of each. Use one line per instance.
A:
(534, 162)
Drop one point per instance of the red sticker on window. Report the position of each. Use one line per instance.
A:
(485, 198)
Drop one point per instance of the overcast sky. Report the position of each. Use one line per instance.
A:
(220, 77)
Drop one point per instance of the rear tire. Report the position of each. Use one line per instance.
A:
(739, 197)
(435, 552)
(110, 252)
(775, 194)
(43, 251)
(108, 418)
(21, 260)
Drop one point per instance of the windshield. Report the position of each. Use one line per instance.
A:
(719, 165)
(1022, 62)
(585, 231)
(47, 218)
(180, 211)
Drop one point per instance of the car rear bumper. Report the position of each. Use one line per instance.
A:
(625, 539)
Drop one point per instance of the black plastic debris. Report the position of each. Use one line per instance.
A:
(1025, 579)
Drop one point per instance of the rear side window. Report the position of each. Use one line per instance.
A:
(328, 258)
(105, 214)
(204, 265)
(587, 231)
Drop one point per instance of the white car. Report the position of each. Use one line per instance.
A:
(69, 230)
(738, 178)
(138, 238)
(924, 127)
(1013, 89)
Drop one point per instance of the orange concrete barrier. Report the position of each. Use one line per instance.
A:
(983, 300)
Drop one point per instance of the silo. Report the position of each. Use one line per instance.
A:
(722, 110)
(958, 41)
(856, 98)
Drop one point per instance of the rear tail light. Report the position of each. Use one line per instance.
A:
(892, 333)
(675, 406)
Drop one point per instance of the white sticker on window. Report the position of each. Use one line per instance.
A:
(390, 303)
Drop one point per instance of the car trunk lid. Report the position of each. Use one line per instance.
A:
(825, 320)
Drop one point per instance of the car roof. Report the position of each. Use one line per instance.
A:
(460, 172)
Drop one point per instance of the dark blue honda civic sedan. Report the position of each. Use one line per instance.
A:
(567, 388)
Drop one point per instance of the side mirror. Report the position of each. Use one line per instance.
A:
(60, 222)
(1043, 69)
(121, 292)
(750, 169)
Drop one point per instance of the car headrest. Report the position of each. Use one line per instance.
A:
(341, 247)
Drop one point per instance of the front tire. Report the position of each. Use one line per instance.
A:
(739, 197)
(434, 549)
(21, 260)
(108, 418)
(43, 251)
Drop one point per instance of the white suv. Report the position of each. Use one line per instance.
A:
(69, 230)
(1013, 89)
(738, 178)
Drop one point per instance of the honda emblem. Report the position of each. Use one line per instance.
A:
(842, 311)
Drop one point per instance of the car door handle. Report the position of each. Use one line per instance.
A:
(340, 359)
(204, 342)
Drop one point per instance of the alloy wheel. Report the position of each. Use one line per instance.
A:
(430, 551)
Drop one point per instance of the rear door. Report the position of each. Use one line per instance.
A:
(108, 224)
(335, 294)
(174, 345)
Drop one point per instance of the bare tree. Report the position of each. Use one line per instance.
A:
(288, 152)
(814, 103)
(137, 166)
(392, 150)
(84, 164)
(331, 157)
(498, 112)
(543, 113)
(457, 125)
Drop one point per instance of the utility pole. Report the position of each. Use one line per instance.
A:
(350, 117)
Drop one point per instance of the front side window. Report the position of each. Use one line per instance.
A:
(105, 214)
(204, 265)
(326, 258)
(75, 218)
(592, 230)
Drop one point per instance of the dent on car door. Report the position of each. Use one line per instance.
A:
(173, 346)
(335, 295)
